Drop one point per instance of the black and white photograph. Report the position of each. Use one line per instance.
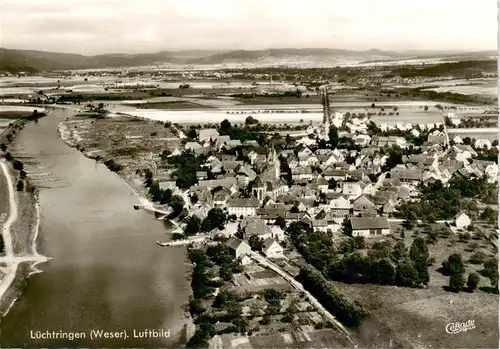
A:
(249, 174)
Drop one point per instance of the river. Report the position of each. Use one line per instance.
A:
(107, 273)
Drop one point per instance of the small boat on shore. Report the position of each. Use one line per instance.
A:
(136, 207)
(162, 244)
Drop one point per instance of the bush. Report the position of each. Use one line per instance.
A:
(478, 258)
(472, 282)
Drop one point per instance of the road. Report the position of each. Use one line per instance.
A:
(298, 286)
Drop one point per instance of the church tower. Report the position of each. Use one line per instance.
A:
(276, 164)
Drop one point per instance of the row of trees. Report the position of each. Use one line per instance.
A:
(348, 312)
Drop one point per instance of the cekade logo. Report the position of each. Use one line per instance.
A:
(457, 327)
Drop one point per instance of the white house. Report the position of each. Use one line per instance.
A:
(239, 247)
(208, 134)
(194, 146)
(272, 249)
(462, 220)
(481, 143)
(277, 233)
(370, 226)
(458, 140)
(351, 189)
(242, 206)
(362, 140)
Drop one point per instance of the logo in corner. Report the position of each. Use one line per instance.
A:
(458, 327)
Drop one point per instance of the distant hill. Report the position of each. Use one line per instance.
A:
(35, 61)
(283, 56)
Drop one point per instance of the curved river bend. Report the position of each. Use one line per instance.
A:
(106, 273)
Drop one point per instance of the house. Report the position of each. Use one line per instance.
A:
(255, 226)
(242, 206)
(364, 206)
(238, 247)
(302, 172)
(277, 233)
(462, 220)
(194, 146)
(482, 143)
(370, 226)
(437, 137)
(339, 205)
(337, 175)
(362, 140)
(272, 249)
(458, 140)
(407, 175)
(208, 134)
(351, 189)
(322, 184)
(320, 225)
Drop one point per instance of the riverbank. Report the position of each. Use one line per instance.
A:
(20, 231)
(73, 139)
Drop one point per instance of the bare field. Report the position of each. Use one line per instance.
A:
(416, 318)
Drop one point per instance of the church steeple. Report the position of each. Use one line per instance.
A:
(276, 164)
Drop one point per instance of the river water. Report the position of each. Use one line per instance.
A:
(107, 273)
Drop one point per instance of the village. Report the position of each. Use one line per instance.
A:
(241, 200)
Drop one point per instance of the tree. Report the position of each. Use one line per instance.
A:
(333, 136)
(3, 147)
(419, 254)
(18, 165)
(472, 282)
(399, 251)
(193, 198)
(280, 221)
(22, 174)
(491, 271)
(8, 156)
(166, 196)
(346, 226)
(426, 108)
(193, 225)
(250, 120)
(456, 282)
(383, 272)
(216, 218)
(20, 185)
(406, 274)
(225, 126)
(177, 204)
(255, 242)
(454, 265)
(488, 215)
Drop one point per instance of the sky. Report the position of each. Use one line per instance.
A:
(133, 26)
